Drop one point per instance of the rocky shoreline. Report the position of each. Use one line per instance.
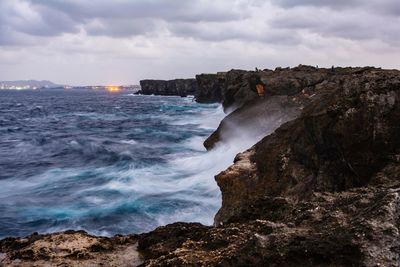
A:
(320, 186)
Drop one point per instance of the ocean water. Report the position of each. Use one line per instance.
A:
(107, 163)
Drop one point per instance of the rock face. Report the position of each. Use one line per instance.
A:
(323, 189)
(210, 88)
(346, 134)
(299, 85)
(235, 88)
(178, 87)
(232, 88)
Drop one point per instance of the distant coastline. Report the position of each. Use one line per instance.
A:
(37, 85)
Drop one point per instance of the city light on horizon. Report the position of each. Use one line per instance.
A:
(113, 88)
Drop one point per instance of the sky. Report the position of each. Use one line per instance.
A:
(88, 42)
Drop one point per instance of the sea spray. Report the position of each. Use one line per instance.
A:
(88, 165)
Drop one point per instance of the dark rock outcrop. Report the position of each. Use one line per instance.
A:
(177, 87)
(235, 88)
(299, 85)
(232, 88)
(359, 227)
(210, 87)
(345, 135)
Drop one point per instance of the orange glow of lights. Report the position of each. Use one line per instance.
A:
(113, 88)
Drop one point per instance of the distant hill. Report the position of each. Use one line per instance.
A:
(27, 84)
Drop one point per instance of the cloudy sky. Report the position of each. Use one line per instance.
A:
(123, 41)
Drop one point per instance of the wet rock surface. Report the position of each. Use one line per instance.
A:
(323, 189)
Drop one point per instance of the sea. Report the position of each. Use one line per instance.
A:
(107, 163)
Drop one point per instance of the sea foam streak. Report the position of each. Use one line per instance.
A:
(107, 170)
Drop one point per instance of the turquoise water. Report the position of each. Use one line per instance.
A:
(105, 163)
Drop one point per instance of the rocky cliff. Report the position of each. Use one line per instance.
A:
(320, 187)
(178, 87)
(232, 88)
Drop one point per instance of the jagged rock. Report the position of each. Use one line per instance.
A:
(233, 88)
(240, 88)
(210, 87)
(347, 133)
(300, 84)
(177, 87)
(359, 227)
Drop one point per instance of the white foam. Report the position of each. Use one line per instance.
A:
(129, 142)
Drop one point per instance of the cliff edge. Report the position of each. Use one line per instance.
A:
(177, 87)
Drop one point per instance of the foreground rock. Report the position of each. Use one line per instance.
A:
(354, 228)
(177, 87)
(72, 248)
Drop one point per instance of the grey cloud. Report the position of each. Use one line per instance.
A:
(386, 7)
(49, 23)
(357, 24)
(173, 10)
(247, 33)
(18, 21)
(205, 20)
(336, 4)
(119, 18)
(383, 7)
(121, 27)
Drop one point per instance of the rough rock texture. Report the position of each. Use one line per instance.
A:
(210, 87)
(322, 190)
(71, 248)
(232, 88)
(178, 87)
(239, 88)
(235, 88)
(347, 133)
(359, 227)
(300, 84)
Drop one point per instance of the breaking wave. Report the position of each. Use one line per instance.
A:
(106, 163)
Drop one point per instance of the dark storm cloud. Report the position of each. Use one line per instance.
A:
(205, 20)
(18, 18)
(172, 10)
(119, 18)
